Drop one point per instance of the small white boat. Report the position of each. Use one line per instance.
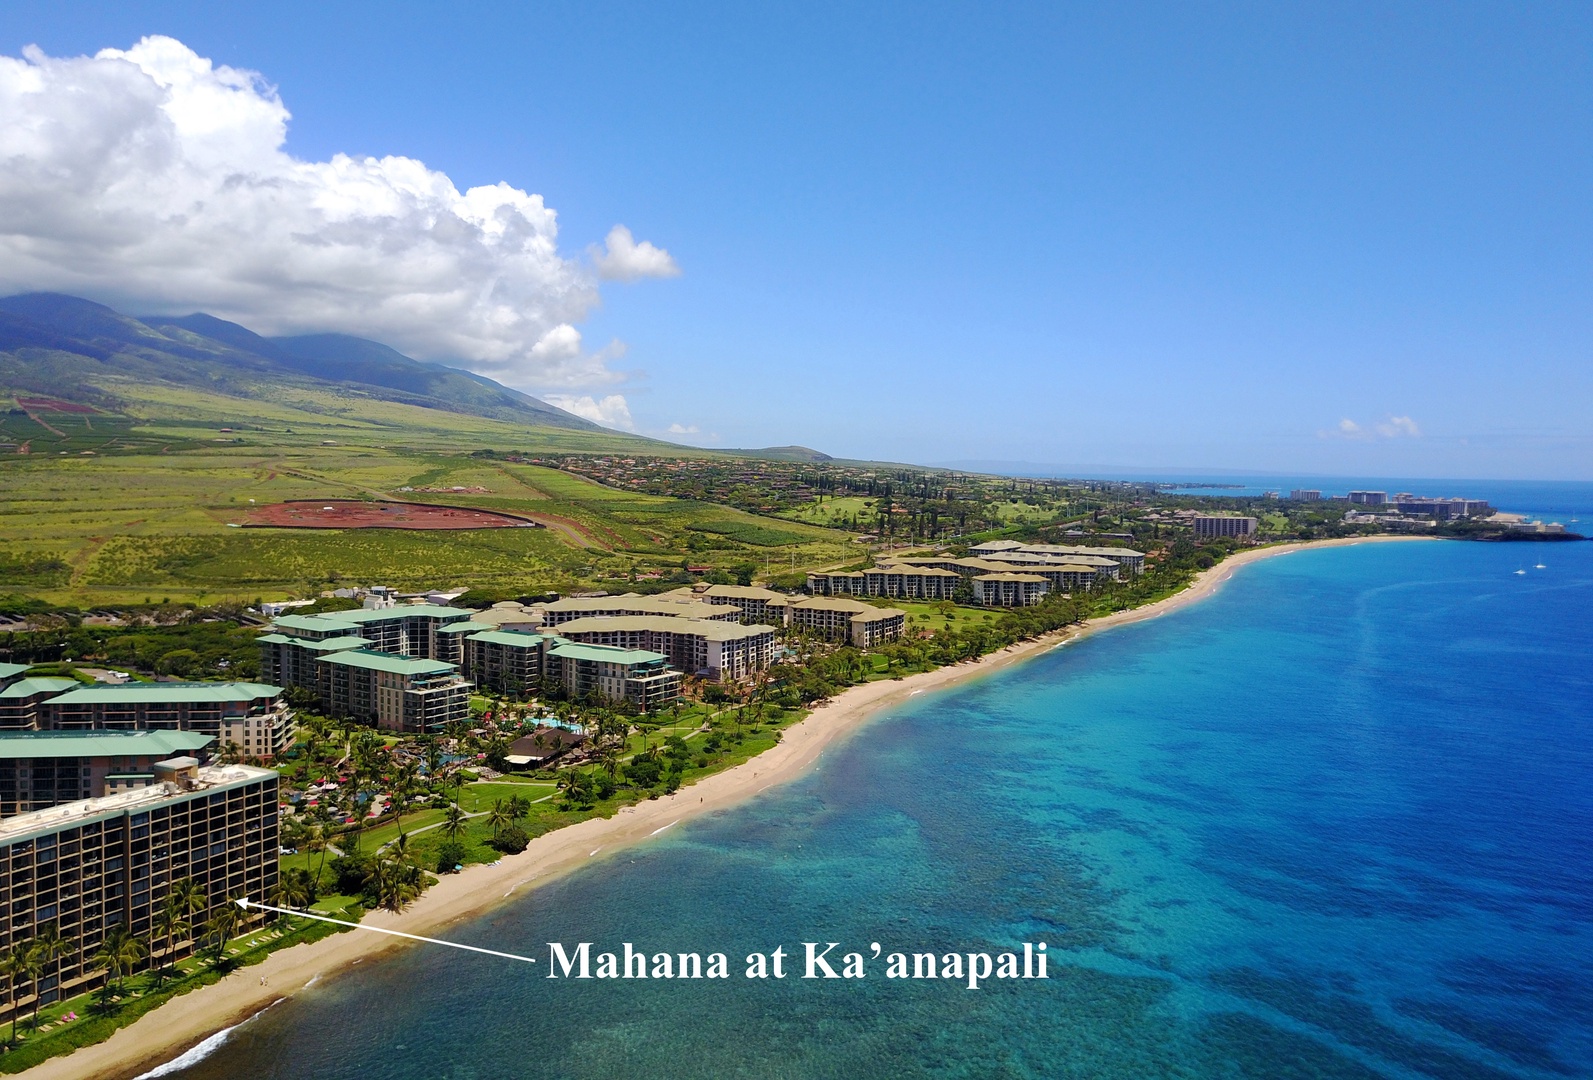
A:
(1521, 573)
(1540, 566)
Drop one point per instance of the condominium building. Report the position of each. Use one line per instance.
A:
(404, 629)
(512, 661)
(1306, 495)
(1441, 509)
(205, 707)
(853, 621)
(1369, 498)
(40, 769)
(639, 676)
(1224, 525)
(20, 699)
(560, 612)
(290, 660)
(396, 693)
(1009, 589)
(895, 579)
(86, 866)
(758, 605)
(715, 649)
(507, 661)
(1131, 561)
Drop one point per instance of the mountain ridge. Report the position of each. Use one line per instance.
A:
(86, 341)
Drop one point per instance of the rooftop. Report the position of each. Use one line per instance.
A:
(168, 693)
(348, 641)
(379, 661)
(37, 685)
(11, 671)
(606, 654)
(68, 815)
(668, 624)
(521, 638)
(662, 604)
(44, 744)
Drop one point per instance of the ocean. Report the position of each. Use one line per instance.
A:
(1335, 821)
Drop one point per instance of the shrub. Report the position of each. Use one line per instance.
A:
(511, 840)
(450, 855)
(350, 872)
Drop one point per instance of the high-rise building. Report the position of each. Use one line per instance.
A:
(84, 867)
(1306, 495)
(1369, 498)
(1224, 525)
(40, 769)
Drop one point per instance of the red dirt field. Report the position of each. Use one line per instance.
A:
(44, 404)
(357, 514)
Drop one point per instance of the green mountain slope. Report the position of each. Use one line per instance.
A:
(69, 348)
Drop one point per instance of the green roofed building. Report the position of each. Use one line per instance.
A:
(222, 710)
(396, 693)
(20, 700)
(40, 769)
(512, 661)
(639, 676)
(86, 866)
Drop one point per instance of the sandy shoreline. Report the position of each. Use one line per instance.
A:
(185, 1021)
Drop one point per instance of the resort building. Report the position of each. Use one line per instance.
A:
(560, 612)
(402, 629)
(853, 621)
(892, 578)
(639, 676)
(1210, 525)
(20, 699)
(1306, 495)
(204, 707)
(1131, 561)
(1009, 589)
(758, 605)
(1369, 498)
(396, 693)
(40, 769)
(508, 661)
(714, 649)
(89, 865)
(288, 660)
(1441, 509)
(512, 661)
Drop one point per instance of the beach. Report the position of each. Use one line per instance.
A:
(187, 1020)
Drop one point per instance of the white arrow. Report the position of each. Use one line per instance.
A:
(246, 904)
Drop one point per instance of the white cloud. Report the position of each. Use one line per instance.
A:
(1394, 427)
(622, 259)
(152, 179)
(611, 411)
(684, 429)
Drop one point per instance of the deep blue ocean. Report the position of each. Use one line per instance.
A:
(1334, 822)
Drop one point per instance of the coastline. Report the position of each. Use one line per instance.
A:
(185, 1021)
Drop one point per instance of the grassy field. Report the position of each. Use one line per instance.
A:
(145, 523)
(936, 617)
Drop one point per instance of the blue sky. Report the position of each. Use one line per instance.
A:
(1334, 238)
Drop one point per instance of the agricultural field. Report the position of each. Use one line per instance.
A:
(131, 528)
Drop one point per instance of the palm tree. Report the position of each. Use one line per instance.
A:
(15, 965)
(393, 883)
(118, 953)
(50, 946)
(315, 841)
(169, 921)
(223, 925)
(500, 817)
(453, 822)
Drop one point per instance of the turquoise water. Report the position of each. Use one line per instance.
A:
(1335, 821)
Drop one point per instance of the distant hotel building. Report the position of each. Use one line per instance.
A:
(252, 716)
(20, 697)
(396, 693)
(40, 769)
(1224, 525)
(1306, 495)
(512, 661)
(853, 621)
(1369, 498)
(89, 865)
(1008, 589)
